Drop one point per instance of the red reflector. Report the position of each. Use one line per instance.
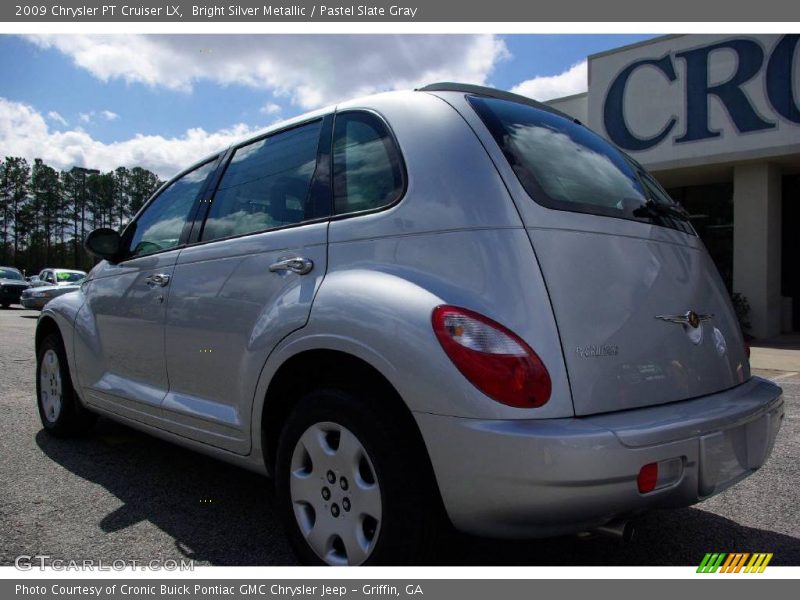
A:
(494, 359)
(648, 476)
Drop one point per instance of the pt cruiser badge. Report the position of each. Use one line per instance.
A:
(691, 324)
(691, 318)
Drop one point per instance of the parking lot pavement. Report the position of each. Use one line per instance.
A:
(119, 494)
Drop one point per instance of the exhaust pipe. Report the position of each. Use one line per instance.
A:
(621, 530)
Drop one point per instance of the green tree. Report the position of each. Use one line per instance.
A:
(45, 215)
(14, 186)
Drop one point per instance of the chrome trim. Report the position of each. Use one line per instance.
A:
(296, 264)
(690, 318)
(159, 279)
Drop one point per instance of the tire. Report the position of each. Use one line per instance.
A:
(60, 411)
(5, 305)
(348, 488)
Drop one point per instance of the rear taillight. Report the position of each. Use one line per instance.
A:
(497, 361)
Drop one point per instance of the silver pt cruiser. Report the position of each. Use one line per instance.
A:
(450, 301)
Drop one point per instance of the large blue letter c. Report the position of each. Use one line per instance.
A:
(613, 109)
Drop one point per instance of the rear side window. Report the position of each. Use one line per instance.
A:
(266, 184)
(562, 164)
(367, 170)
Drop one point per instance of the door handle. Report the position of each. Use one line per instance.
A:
(296, 264)
(159, 279)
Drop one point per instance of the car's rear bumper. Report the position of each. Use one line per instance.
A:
(547, 477)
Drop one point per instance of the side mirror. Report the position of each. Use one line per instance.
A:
(104, 243)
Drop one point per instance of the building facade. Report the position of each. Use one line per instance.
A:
(716, 118)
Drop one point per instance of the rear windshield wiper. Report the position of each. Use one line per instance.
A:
(659, 209)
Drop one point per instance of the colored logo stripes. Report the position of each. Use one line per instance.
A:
(734, 562)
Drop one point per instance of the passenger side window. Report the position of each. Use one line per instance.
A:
(266, 184)
(160, 226)
(367, 173)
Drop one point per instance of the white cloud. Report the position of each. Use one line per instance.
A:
(572, 81)
(25, 132)
(88, 117)
(310, 70)
(270, 108)
(57, 118)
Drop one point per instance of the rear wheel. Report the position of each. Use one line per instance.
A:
(59, 409)
(6, 305)
(348, 492)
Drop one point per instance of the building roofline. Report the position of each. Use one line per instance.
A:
(570, 97)
(655, 40)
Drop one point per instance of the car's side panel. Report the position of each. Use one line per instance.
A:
(381, 314)
(119, 343)
(456, 236)
(226, 313)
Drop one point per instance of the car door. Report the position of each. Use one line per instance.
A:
(247, 282)
(119, 343)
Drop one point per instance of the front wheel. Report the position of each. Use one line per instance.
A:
(59, 409)
(348, 492)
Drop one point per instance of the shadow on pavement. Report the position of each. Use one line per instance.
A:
(223, 515)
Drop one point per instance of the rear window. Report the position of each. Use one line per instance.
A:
(564, 165)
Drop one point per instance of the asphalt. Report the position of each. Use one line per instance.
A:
(120, 494)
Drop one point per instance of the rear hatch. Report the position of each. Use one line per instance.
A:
(642, 312)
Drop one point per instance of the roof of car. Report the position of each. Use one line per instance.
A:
(488, 92)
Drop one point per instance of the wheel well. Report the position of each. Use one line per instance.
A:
(313, 369)
(45, 327)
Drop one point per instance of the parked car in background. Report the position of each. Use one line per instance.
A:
(57, 277)
(32, 279)
(37, 297)
(447, 301)
(12, 283)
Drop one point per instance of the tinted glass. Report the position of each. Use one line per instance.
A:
(367, 173)
(562, 164)
(265, 184)
(10, 274)
(159, 227)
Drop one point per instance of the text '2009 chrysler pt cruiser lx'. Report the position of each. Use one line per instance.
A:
(450, 299)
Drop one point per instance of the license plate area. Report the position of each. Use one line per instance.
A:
(728, 456)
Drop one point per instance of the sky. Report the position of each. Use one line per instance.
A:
(164, 101)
